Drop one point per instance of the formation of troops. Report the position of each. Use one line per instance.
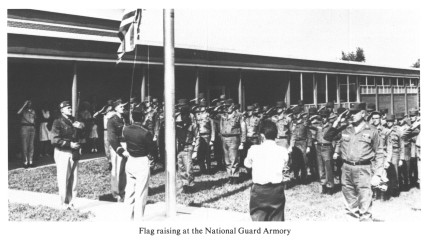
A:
(219, 132)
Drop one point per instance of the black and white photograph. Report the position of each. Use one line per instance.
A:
(185, 115)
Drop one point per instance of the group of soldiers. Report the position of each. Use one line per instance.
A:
(220, 131)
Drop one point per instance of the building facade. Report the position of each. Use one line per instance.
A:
(55, 56)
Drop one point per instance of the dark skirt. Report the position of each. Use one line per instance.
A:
(267, 202)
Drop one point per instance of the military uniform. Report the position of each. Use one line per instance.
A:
(324, 150)
(151, 123)
(301, 139)
(362, 166)
(411, 134)
(252, 131)
(233, 133)
(206, 134)
(283, 123)
(117, 146)
(404, 175)
(393, 152)
(186, 137)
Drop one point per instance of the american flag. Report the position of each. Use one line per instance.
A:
(129, 29)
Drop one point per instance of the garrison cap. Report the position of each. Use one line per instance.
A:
(371, 107)
(400, 116)
(64, 104)
(413, 112)
(280, 104)
(390, 117)
(250, 108)
(357, 106)
(297, 110)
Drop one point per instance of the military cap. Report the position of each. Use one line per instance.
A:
(203, 103)
(341, 110)
(297, 110)
(357, 106)
(182, 102)
(280, 104)
(110, 102)
(229, 102)
(265, 108)
(138, 108)
(64, 104)
(222, 97)
(330, 104)
(256, 105)
(155, 100)
(390, 117)
(250, 108)
(117, 103)
(383, 111)
(133, 100)
(413, 112)
(201, 96)
(147, 99)
(371, 107)
(324, 113)
(312, 111)
(399, 116)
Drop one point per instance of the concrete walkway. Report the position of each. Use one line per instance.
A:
(112, 211)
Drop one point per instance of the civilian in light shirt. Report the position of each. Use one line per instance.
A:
(268, 162)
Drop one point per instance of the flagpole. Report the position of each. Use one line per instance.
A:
(169, 94)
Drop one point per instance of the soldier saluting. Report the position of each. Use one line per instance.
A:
(360, 148)
(233, 133)
(206, 133)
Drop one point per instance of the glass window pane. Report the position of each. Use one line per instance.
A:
(321, 88)
(378, 81)
(393, 81)
(386, 81)
(308, 88)
(332, 88)
(371, 81)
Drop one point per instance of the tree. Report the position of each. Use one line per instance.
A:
(359, 56)
(416, 64)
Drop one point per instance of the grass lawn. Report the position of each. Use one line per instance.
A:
(25, 212)
(303, 201)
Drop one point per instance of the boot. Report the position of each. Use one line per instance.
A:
(324, 190)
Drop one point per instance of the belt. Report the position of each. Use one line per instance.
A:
(282, 137)
(229, 135)
(25, 124)
(324, 144)
(366, 162)
(205, 134)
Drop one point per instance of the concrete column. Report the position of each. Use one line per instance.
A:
(74, 93)
(392, 97)
(288, 92)
(301, 87)
(314, 89)
(196, 87)
(357, 89)
(338, 92)
(143, 84)
(240, 90)
(348, 90)
(326, 88)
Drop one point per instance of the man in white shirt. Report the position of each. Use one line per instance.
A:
(268, 162)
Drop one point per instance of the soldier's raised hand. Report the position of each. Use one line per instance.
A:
(241, 146)
(335, 156)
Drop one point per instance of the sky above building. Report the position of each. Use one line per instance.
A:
(388, 37)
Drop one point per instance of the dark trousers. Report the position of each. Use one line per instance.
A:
(325, 165)
(204, 153)
(300, 160)
(230, 147)
(267, 202)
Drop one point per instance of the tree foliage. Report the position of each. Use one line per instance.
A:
(416, 64)
(359, 56)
